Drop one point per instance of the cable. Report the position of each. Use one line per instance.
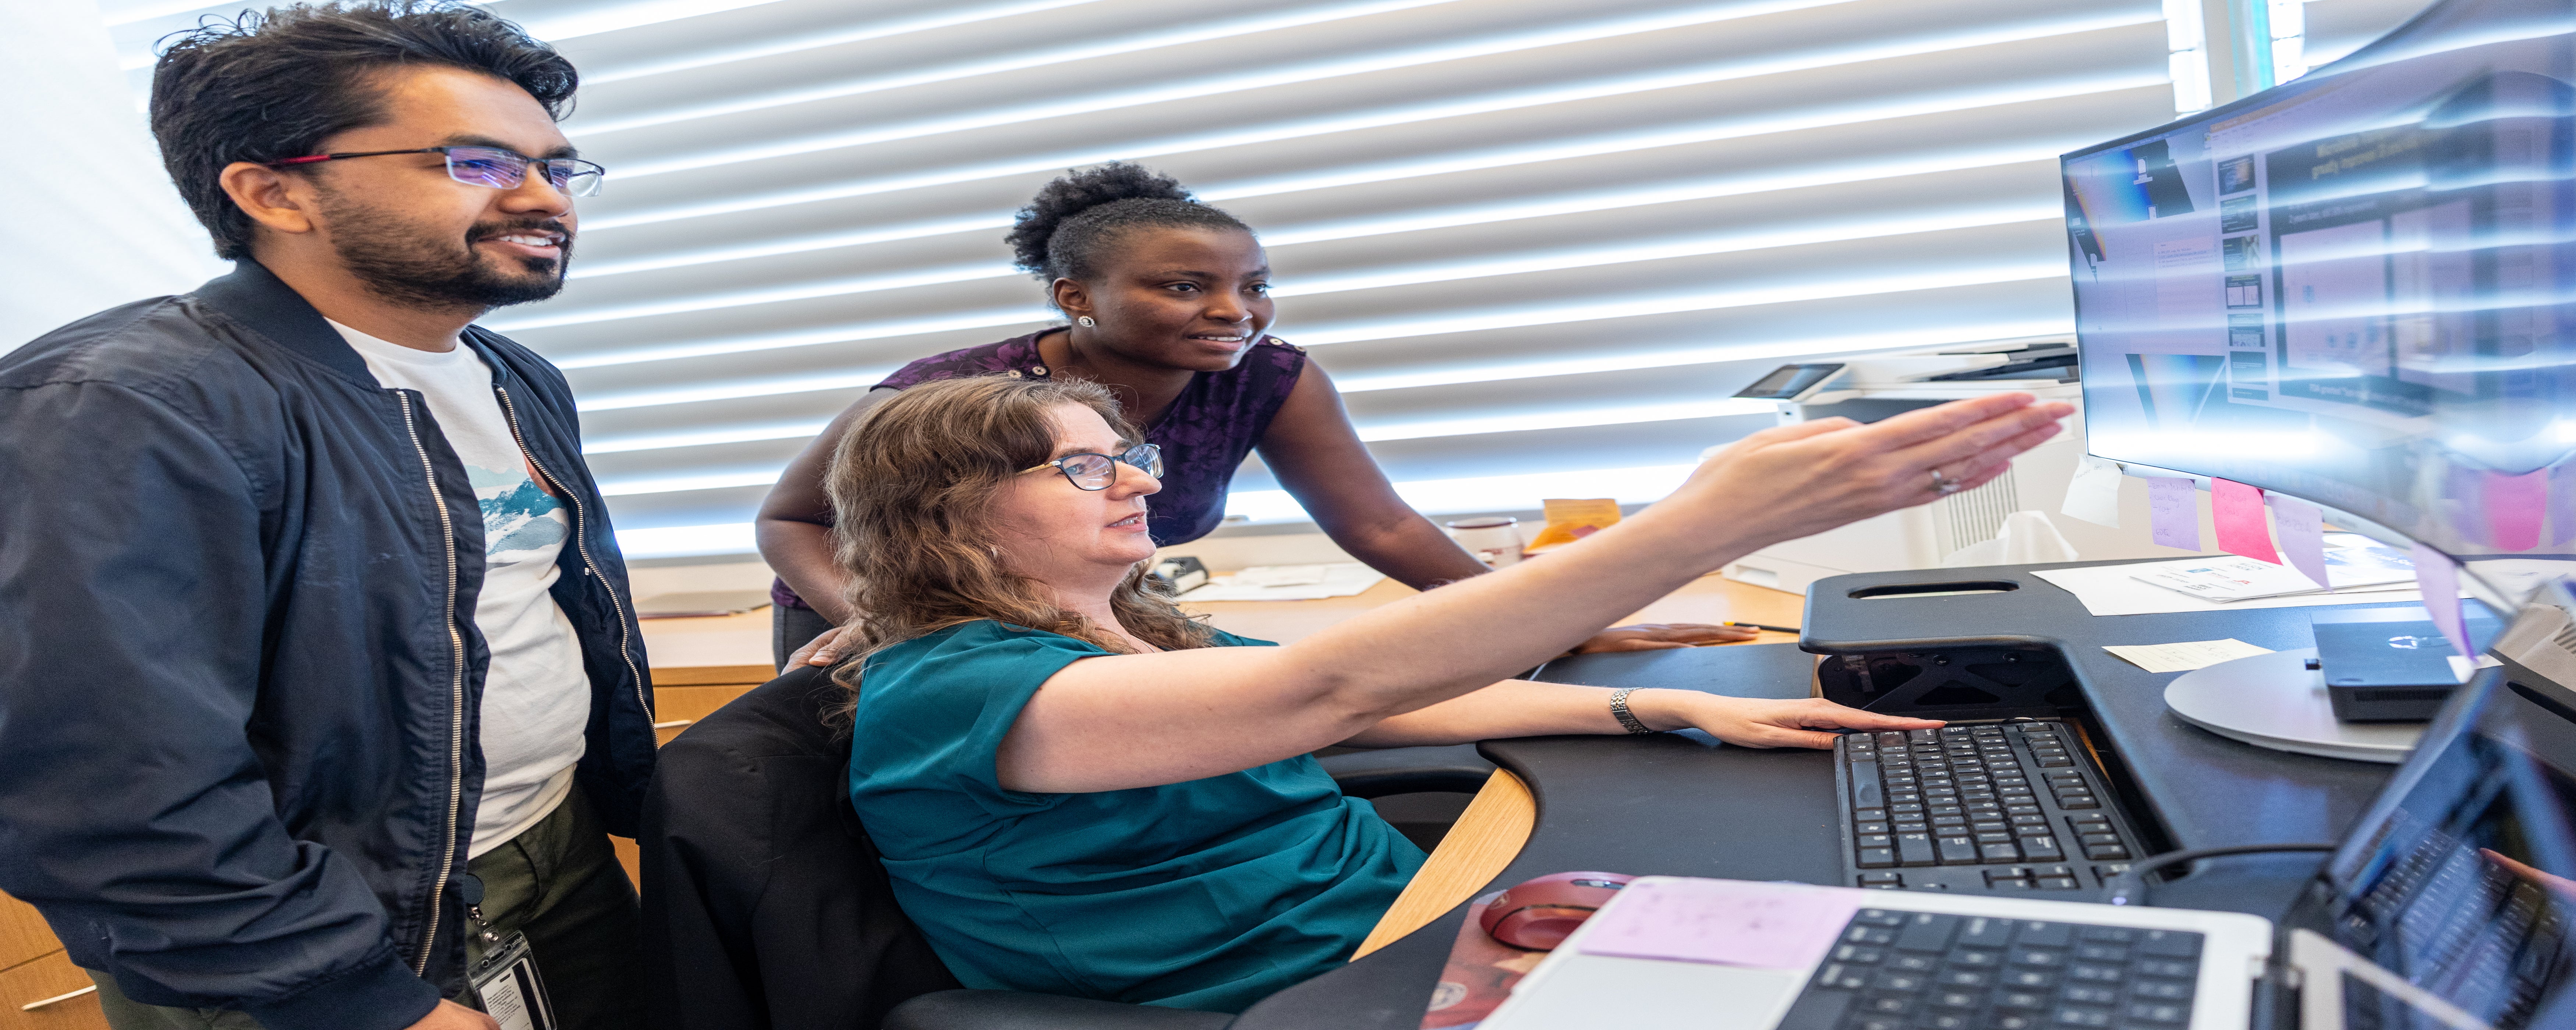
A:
(2130, 886)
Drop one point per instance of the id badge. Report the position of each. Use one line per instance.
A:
(512, 994)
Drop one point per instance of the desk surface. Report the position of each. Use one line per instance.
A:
(1682, 804)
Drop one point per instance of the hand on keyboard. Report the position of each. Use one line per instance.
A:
(1760, 722)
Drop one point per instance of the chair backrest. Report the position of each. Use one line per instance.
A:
(765, 907)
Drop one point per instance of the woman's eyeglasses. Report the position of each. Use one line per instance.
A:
(1097, 471)
(491, 167)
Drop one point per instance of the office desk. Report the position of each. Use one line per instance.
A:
(1681, 804)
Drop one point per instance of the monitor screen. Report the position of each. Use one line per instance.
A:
(2357, 288)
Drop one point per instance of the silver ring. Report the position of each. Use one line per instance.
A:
(1944, 485)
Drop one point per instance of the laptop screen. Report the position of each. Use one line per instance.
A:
(2463, 881)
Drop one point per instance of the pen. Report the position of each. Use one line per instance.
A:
(1757, 625)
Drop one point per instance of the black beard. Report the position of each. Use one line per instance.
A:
(408, 268)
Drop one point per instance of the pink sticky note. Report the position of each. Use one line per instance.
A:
(2302, 529)
(1730, 922)
(2173, 507)
(2237, 510)
(2514, 506)
(2440, 581)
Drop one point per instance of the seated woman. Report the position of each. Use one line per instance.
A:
(1079, 790)
(1169, 301)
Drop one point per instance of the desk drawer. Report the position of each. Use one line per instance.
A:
(46, 980)
(23, 933)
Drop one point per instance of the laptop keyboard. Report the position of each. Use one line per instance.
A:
(1895, 970)
(2012, 805)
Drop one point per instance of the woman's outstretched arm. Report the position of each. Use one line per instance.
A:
(1142, 720)
(794, 527)
(1523, 708)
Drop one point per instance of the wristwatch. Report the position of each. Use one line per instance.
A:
(1619, 707)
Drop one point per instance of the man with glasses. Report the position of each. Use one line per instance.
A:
(320, 689)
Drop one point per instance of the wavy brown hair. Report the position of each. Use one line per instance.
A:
(913, 485)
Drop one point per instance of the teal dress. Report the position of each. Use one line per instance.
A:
(1209, 894)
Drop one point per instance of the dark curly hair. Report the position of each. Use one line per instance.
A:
(1067, 224)
(267, 87)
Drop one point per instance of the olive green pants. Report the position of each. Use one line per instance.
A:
(559, 883)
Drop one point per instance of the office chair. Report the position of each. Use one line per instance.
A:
(765, 907)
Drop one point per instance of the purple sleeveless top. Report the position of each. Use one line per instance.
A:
(1216, 421)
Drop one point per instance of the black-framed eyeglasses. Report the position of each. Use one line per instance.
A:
(1096, 471)
(491, 167)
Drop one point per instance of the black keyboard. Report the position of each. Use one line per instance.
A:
(1898, 970)
(1979, 807)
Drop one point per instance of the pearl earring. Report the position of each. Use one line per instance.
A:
(1085, 322)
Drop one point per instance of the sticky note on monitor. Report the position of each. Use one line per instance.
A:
(2237, 510)
(2302, 529)
(2174, 509)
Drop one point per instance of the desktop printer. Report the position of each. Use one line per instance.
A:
(1878, 386)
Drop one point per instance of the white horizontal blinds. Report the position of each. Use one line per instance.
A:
(2339, 27)
(1536, 241)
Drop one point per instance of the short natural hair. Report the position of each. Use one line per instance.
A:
(912, 487)
(267, 87)
(1063, 231)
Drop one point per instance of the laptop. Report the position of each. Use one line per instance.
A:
(2446, 908)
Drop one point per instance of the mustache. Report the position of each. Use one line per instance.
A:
(488, 230)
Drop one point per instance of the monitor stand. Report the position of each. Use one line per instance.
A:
(2276, 701)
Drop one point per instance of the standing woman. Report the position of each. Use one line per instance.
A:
(1169, 301)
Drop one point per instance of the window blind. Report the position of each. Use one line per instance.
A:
(1536, 242)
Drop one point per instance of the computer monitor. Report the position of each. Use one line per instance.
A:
(2358, 288)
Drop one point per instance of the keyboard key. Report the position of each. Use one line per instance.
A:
(2105, 852)
(2093, 995)
(1993, 837)
(1977, 958)
(2040, 830)
(2045, 935)
(1871, 827)
(2037, 958)
(1990, 826)
(1928, 931)
(2175, 969)
(2015, 1021)
(1958, 999)
(1873, 935)
(1938, 1020)
(1923, 736)
(1867, 815)
(2003, 852)
(2090, 972)
(2161, 990)
(2109, 870)
(1966, 978)
(2057, 883)
(2041, 849)
(1857, 955)
(2091, 951)
(1864, 784)
(1876, 858)
(1882, 917)
(1888, 1004)
(1912, 824)
(2170, 944)
(1840, 976)
(1914, 849)
(2078, 801)
(2154, 1012)
(1897, 980)
(1983, 932)
(2021, 1000)
(2031, 978)
(2076, 1016)
(1963, 850)
(1901, 811)
(1914, 963)
(2021, 809)
(1889, 881)
(2113, 934)
(2100, 838)
(1891, 738)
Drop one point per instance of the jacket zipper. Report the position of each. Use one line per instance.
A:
(456, 717)
(581, 546)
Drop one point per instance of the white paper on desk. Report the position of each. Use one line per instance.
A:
(2185, 656)
(2227, 578)
(1339, 579)
(2108, 590)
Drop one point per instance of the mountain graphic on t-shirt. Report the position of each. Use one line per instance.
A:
(517, 515)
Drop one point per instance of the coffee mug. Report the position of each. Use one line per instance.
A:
(1495, 540)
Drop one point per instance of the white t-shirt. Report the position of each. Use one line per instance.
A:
(536, 698)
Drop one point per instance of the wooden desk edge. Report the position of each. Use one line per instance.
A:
(1478, 848)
